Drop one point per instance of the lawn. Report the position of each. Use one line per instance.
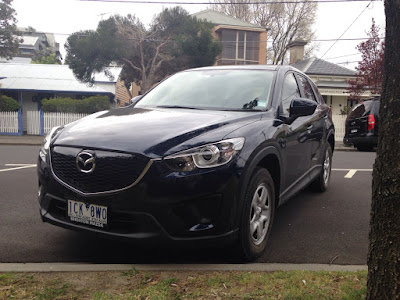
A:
(288, 285)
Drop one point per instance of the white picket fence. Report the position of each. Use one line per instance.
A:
(33, 122)
(59, 119)
(49, 121)
(8, 122)
(339, 122)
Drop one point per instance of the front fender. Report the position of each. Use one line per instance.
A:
(257, 156)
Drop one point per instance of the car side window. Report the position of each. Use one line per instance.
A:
(307, 89)
(289, 92)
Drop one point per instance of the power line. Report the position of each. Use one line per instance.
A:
(233, 41)
(346, 29)
(343, 56)
(197, 3)
(348, 62)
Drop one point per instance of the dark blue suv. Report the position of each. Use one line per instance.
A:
(206, 156)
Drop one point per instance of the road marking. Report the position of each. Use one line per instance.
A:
(18, 167)
(351, 172)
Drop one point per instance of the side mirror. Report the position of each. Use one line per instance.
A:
(300, 107)
(136, 99)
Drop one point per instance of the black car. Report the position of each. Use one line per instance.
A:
(205, 157)
(362, 125)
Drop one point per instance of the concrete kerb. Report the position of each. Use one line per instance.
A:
(251, 267)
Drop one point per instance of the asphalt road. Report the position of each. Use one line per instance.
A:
(310, 228)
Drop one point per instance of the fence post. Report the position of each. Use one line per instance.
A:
(20, 123)
(41, 118)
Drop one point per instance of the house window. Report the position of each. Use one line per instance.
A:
(239, 47)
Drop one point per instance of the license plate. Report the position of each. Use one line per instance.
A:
(353, 131)
(90, 214)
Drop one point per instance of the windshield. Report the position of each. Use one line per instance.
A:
(213, 89)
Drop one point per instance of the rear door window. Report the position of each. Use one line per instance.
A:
(361, 110)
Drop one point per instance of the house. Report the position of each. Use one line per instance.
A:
(331, 79)
(35, 41)
(242, 42)
(30, 83)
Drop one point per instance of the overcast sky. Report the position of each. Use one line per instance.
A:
(67, 16)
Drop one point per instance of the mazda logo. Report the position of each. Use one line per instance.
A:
(85, 162)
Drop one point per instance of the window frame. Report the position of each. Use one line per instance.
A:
(280, 108)
(237, 60)
(299, 78)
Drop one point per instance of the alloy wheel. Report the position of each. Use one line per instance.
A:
(327, 167)
(260, 214)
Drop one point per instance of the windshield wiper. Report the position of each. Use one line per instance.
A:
(251, 104)
(177, 106)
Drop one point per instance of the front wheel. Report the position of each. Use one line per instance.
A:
(321, 183)
(258, 214)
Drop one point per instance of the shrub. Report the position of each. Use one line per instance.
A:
(8, 104)
(87, 105)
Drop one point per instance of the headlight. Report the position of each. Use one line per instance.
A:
(207, 156)
(47, 140)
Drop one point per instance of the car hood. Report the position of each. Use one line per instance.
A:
(152, 132)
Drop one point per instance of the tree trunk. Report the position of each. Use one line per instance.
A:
(384, 249)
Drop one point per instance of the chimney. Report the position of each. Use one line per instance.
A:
(296, 51)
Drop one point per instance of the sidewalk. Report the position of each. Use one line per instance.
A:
(33, 140)
(37, 140)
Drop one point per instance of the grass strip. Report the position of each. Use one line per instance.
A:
(288, 285)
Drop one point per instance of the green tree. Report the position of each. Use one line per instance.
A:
(384, 250)
(46, 56)
(9, 40)
(174, 41)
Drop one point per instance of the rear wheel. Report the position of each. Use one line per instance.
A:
(257, 215)
(364, 147)
(321, 183)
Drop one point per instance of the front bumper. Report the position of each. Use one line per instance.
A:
(163, 207)
(368, 140)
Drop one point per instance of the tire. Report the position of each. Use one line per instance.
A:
(321, 183)
(257, 216)
(364, 148)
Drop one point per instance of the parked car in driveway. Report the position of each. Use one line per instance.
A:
(204, 157)
(362, 125)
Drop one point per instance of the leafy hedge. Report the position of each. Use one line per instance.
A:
(8, 104)
(87, 105)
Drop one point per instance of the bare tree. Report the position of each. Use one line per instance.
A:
(287, 22)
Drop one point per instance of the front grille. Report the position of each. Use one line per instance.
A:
(113, 171)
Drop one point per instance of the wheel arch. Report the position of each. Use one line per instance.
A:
(267, 157)
(331, 139)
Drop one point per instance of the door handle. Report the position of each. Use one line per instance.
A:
(309, 128)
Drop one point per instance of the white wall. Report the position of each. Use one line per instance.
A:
(338, 103)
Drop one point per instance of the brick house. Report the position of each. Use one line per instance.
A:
(242, 43)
